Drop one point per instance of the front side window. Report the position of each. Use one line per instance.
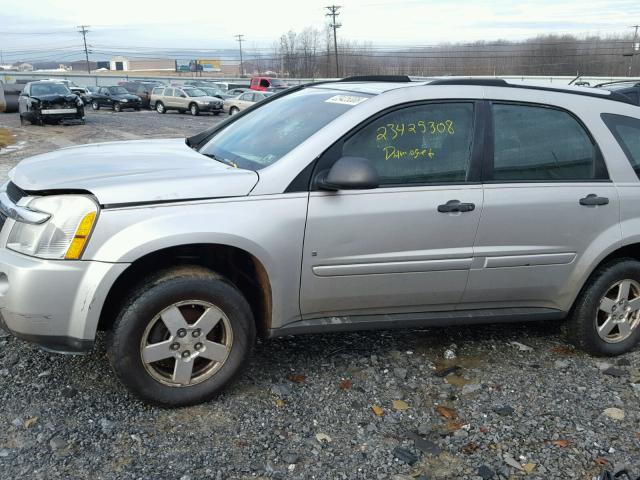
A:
(422, 144)
(534, 143)
(255, 140)
(247, 97)
(626, 130)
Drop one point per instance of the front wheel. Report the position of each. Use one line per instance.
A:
(95, 105)
(194, 109)
(117, 107)
(181, 337)
(160, 108)
(606, 316)
(233, 110)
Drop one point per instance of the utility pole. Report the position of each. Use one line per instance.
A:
(333, 13)
(634, 48)
(240, 37)
(83, 30)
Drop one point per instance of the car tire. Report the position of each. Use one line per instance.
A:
(137, 109)
(117, 107)
(95, 105)
(23, 121)
(160, 107)
(216, 113)
(184, 296)
(194, 109)
(233, 110)
(605, 321)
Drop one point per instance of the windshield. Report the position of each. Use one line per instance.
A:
(117, 90)
(194, 92)
(255, 141)
(49, 89)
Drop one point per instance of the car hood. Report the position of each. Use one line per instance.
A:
(137, 171)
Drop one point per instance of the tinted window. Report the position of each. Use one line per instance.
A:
(538, 144)
(627, 133)
(423, 144)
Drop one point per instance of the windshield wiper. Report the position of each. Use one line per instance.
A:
(221, 160)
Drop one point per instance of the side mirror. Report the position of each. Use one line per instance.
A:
(24, 94)
(349, 173)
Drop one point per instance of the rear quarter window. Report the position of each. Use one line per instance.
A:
(626, 131)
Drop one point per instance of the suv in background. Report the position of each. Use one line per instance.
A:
(184, 99)
(334, 206)
(630, 88)
(115, 97)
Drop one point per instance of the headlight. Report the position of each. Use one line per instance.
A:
(64, 235)
(124, 100)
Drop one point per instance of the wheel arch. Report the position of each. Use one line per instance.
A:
(629, 250)
(239, 266)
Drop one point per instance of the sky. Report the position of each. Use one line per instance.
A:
(50, 26)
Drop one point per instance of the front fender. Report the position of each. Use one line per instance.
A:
(271, 228)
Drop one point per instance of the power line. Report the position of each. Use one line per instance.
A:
(240, 37)
(83, 30)
(333, 13)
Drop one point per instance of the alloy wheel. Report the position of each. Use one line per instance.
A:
(186, 343)
(618, 312)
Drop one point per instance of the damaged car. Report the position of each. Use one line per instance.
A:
(49, 102)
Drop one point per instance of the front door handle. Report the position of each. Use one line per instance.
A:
(453, 206)
(592, 200)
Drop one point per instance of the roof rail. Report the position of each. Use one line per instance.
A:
(376, 78)
(483, 82)
(498, 82)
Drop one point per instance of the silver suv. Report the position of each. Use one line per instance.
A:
(330, 207)
(184, 99)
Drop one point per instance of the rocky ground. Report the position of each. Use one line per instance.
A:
(507, 401)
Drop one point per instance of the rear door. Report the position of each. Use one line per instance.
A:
(549, 208)
(406, 246)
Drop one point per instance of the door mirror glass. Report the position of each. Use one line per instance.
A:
(349, 173)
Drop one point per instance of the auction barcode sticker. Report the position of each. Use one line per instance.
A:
(346, 99)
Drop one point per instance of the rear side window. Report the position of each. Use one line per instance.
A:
(421, 144)
(168, 92)
(627, 133)
(533, 143)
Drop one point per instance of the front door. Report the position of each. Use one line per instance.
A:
(549, 209)
(406, 246)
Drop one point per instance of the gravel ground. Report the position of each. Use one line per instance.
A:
(513, 401)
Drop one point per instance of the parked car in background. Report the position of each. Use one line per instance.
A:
(80, 92)
(115, 97)
(141, 89)
(501, 202)
(234, 92)
(215, 92)
(48, 101)
(267, 84)
(198, 83)
(224, 86)
(184, 99)
(89, 91)
(629, 88)
(245, 100)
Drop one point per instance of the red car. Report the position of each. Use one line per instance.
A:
(267, 84)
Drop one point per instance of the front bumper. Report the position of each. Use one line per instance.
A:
(54, 303)
(213, 108)
(130, 104)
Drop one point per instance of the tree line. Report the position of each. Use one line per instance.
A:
(310, 54)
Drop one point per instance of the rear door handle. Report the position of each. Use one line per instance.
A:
(592, 200)
(453, 206)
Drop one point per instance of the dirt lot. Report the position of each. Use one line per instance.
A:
(514, 402)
